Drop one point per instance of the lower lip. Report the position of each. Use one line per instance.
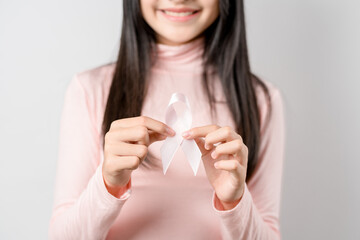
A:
(180, 18)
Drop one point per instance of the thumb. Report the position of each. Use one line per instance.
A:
(201, 144)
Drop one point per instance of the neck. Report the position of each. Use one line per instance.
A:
(164, 41)
(180, 57)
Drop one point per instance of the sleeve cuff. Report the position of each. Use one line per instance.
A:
(239, 210)
(103, 192)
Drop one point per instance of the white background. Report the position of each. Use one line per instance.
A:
(308, 48)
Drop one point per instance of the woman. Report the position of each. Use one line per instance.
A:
(109, 179)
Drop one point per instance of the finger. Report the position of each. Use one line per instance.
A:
(197, 132)
(200, 143)
(130, 134)
(154, 137)
(233, 147)
(224, 134)
(232, 166)
(123, 162)
(236, 147)
(127, 149)
(148, 122)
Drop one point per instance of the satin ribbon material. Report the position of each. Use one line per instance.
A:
(179, 123)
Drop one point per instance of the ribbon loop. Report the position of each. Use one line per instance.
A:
(179, 123)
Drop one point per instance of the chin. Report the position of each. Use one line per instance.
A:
(178, 41)
(177, 38)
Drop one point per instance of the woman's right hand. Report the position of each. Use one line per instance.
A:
(126, 146)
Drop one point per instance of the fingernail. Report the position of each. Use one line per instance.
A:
(207, 147)
(216, 165)
(186, 134)
(213, 154)
(170, 131)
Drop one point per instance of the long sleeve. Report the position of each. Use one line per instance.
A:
(256, 216)
(83, 208)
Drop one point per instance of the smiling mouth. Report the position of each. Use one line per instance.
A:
(179, 13)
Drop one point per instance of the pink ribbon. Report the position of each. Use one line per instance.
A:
(180, 122)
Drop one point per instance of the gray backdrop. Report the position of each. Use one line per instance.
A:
(308, 48)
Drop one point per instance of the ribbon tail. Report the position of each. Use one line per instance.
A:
(168, 151)
(192, 153)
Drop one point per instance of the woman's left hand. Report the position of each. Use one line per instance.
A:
(225, 164)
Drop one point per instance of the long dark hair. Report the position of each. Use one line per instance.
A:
(225, 51)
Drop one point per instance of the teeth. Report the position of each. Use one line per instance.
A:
(178, 14)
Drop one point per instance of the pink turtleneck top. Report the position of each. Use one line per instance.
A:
(177, 205)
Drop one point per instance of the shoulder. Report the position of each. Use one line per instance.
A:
(89, 90)
(269, 102)
(273, 91)
(95, 79)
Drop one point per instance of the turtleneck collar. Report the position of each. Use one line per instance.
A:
(185, 57)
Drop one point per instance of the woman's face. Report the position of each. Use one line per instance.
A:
(179, 21)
